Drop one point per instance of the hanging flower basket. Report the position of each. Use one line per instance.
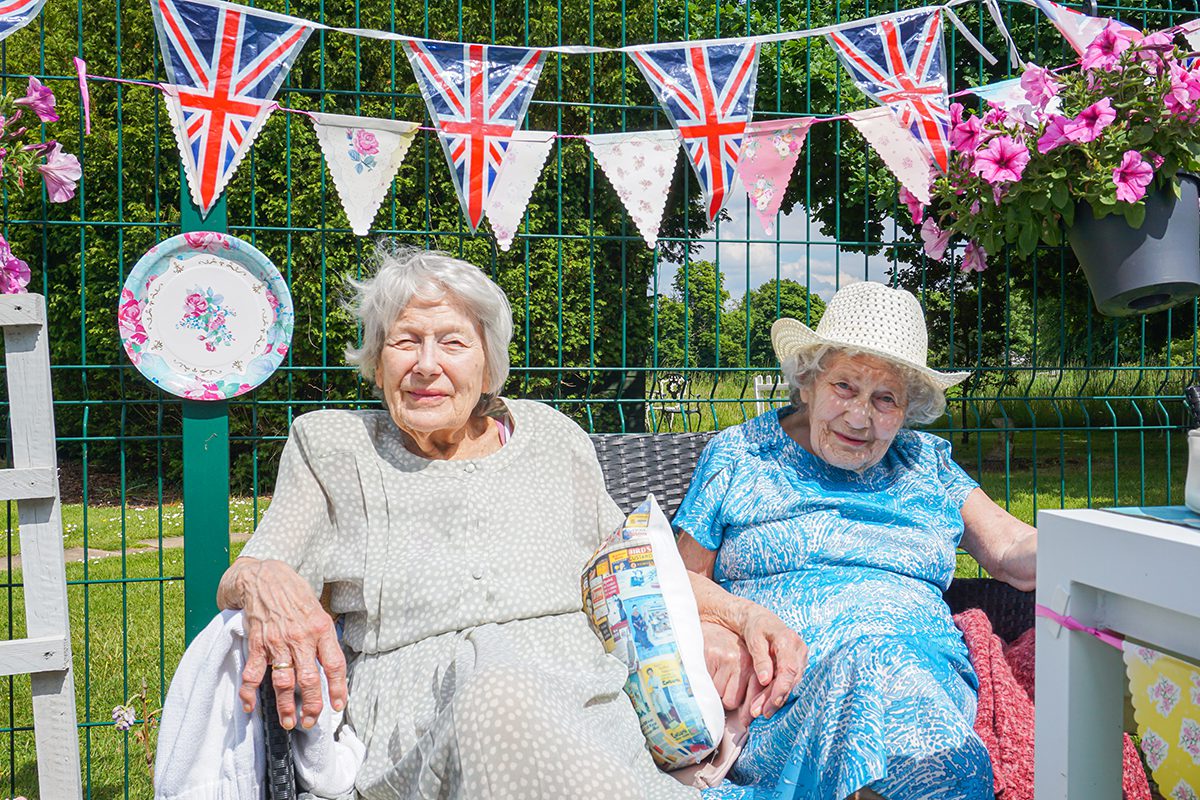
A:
(1140, 270)
(1092, 151)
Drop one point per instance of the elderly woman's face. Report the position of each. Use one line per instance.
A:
(431, 370)
(855, 408)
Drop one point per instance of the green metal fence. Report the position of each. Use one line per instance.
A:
(1064, 408)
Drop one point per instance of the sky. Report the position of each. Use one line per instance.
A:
(805, 255)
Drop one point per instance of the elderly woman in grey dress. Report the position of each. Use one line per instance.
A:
(449, 531)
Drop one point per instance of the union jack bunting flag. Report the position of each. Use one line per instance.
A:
(16, 14)
(900, 62)
(708, 92)
(225, 49)
(477, 96)
(226, 63)
(213, 138)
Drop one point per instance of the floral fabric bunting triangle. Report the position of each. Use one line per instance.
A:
(639, 165)
(769, 155)
(900, 151)
(527, 152)
(477, 96)
(708, 92)
(899, 61)
(17, 14)
(213, 140)
(1166, 706)
(363, 155)
(226, 63)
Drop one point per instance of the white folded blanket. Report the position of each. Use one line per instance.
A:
(210, 749)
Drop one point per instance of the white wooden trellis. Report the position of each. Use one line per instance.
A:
(33, 482)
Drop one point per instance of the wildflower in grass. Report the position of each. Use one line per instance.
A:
(124, 717)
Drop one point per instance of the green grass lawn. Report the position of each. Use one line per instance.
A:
(117, 528)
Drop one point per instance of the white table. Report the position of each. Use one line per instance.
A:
(1138, 577)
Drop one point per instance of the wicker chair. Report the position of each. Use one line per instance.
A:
(634, 465)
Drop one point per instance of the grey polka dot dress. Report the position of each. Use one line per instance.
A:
(473, 672)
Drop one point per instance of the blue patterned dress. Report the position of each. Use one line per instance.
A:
(856, 565)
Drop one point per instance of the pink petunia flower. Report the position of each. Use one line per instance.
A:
(996, 115)
(14, 273)
(1053, 136)
(1039, 85)
(40, 101)
(60, 172)
(956, 114)
(1105, 50)
(1132, 177)
(1002, 159)
(967, 135)
(1090, 122)
(974, 258)
(935, 239)
(916, 209)
(1178, 99)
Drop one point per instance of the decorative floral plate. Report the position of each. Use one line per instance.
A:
(205, 316)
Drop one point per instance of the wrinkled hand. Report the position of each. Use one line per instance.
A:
(728, 663)
(778, 655)
(285, 623)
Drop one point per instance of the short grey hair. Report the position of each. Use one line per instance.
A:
(403, 274)
(926, 401)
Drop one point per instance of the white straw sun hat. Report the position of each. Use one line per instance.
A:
(873, 318)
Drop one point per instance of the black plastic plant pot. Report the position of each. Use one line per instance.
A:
(1140, 270)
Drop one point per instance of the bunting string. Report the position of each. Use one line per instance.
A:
(575, 49)
(226, 62)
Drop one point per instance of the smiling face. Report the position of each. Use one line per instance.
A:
(432, 367)
(855, 408)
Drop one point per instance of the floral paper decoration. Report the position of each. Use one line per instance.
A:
(363, 155)
(900, 152)
(640, 165)
(1166, 704)
(527, 152)
(769, 155)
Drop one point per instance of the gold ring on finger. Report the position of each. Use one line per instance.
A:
(282, 665)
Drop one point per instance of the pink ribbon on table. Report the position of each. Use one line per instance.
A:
(1072, 624)
(84, 95)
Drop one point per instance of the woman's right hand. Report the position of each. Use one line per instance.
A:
(285, 624)
(777, 652)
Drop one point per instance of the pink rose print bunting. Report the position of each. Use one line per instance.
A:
(363, 155)
(769, 154)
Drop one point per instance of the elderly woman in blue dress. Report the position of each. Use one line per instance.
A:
(843, 523)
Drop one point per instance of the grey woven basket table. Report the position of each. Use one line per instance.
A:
(635, 464)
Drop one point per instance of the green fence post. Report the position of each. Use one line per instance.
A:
(205, 475)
